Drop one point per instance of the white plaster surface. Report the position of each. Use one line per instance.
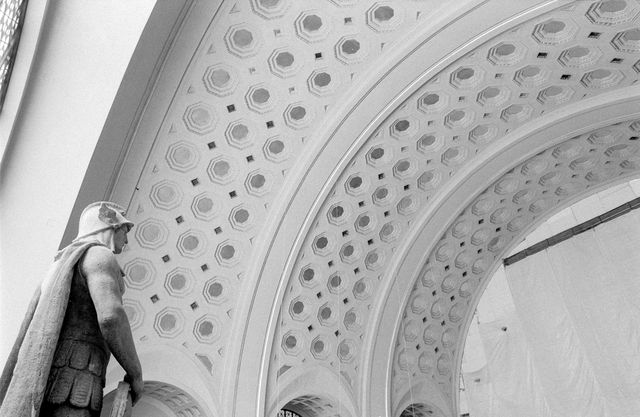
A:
(79, 65)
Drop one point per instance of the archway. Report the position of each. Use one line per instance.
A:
(161, 400)
(255, 268)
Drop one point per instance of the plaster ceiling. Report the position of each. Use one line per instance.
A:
(252, 107)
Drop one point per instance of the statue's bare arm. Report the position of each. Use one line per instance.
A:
(102, 272)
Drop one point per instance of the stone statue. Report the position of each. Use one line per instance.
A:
(74, 322)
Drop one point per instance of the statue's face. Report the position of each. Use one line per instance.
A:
(120, 238)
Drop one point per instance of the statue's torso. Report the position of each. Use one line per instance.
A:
(77, 374)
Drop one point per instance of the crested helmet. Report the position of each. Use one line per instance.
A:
(99, 216)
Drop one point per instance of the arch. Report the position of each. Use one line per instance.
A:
(173, 368)
(315, 391)
(335, 145)
(456, 199)
(422, 396)
(162, 400)
(349, 126)
(421, 409)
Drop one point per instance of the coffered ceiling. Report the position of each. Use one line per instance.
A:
(285, 205)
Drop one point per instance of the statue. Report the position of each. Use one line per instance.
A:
(75, 321)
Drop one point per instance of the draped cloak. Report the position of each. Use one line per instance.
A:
(25, 374)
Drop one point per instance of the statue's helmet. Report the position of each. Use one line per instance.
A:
(99, 216)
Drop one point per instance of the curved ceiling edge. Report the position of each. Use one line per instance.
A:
(170, 72)
(520, 145)
(302, 196)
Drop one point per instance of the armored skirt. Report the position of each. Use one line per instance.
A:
(77, 375)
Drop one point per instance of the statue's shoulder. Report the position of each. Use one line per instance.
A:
(99, 259)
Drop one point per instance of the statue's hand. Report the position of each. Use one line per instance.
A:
(137, 388)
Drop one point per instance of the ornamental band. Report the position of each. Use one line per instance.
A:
(74, 323)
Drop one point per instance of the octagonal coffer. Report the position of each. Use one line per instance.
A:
(222, 169)
(270, 9)
(506, 53)
(432, 101)
(243, 40)
(166, 195)
(207, 329)
(555, 31)
(200, 118)
(627, 41)
(242, 217)
(347, 350)
(323, 81)
(299, 115)
(179, 282)
(220, 79)
(312, 26)
(151, 233)
(284, 63)
(169, 322)
(339, 213)
(353, 320)
(192, 243)
(292, 342)
(365, 223)
(352, 49)
(260, 98)
(240, 133)
(356, 184)
(139, 273)
(337, 282)
(409, 204)
(182, 156)
(309, 275)
(259, 182)
(276, 149)
(206, 206)
(229, 253)
(384, 16)
(321, 347)
(217, 290)
(612, 12)
(300, 308)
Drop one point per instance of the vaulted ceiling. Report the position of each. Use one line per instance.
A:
(323, 193)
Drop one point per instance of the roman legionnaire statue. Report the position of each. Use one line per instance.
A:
(74, 322)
